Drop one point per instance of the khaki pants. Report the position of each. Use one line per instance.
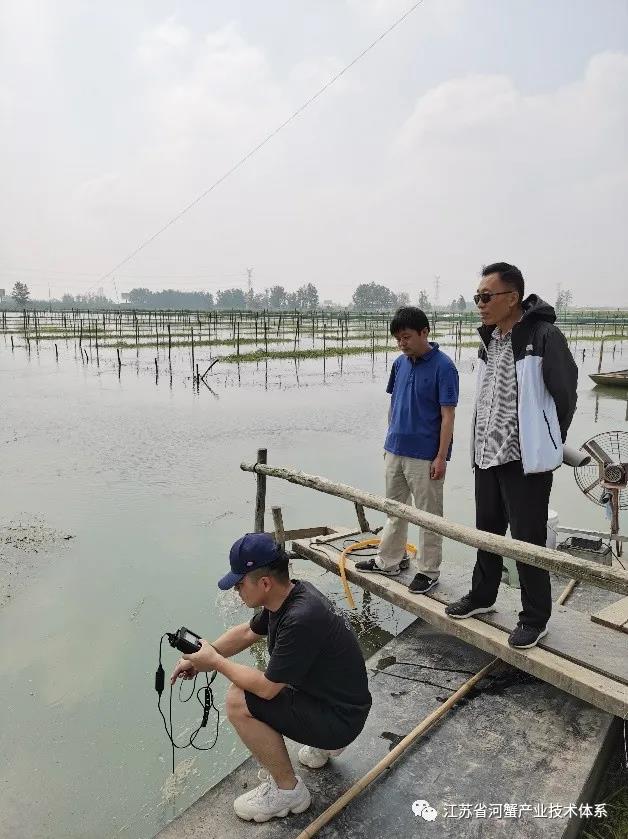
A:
(408, 480)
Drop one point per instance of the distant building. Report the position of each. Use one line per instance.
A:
(125, 296)
(3, 294)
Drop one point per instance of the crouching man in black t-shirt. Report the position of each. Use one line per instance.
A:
(315, 688)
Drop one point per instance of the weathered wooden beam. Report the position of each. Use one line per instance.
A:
(597, 689)
(560, 563)
(304, 533)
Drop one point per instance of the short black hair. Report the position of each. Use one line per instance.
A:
(508, 274)
(409, 317)
(278, 570)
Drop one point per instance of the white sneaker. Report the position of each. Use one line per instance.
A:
(267, 801)
(316, 758)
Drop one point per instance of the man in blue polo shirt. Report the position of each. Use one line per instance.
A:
(424, 393)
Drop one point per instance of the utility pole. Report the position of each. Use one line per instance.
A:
(436, 291)
(249, 295)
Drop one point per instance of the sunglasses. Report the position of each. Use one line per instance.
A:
(486, 296)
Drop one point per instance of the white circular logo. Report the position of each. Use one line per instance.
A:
(422, 808)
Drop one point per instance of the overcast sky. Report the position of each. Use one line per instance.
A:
(479, 130)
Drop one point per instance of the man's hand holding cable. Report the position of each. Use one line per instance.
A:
(242, 676)
(183, 670)
(206, 659)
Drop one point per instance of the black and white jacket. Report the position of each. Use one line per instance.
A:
(547, 379)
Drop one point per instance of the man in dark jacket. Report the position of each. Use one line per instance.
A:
(525, 401)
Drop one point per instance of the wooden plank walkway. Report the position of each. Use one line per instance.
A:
(584, 659)
(614, 616)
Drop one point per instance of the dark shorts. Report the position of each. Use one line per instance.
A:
(306, 719)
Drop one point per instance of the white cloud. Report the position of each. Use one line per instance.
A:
(162, 41)
(568, 133)
(538, 179)
(227, 85)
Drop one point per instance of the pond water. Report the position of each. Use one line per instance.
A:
(120, 497)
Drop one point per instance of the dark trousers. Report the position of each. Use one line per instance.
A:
(503, 496)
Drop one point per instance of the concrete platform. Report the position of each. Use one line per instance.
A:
(514, 741)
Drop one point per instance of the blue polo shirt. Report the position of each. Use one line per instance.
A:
(418, 390)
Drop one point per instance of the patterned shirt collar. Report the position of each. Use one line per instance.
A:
(497, 333)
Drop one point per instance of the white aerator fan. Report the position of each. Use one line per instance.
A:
(603, 476)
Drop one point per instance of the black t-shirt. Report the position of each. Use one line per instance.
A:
(313, 649)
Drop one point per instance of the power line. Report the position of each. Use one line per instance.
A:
(262, 143)
(45, 274)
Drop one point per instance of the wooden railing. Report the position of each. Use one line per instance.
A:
(587, 571)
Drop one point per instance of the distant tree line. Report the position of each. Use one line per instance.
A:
(372, 297)
(367, 297)
(275, 297)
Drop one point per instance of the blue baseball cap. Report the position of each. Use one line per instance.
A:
(251, 551)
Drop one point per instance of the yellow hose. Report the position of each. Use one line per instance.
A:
(367, 543)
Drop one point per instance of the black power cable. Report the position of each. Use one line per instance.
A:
(207, 704)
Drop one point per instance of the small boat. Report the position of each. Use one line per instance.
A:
(617, 379)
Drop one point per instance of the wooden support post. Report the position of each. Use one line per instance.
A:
(260, 497)
(280, 533)
(362, 521)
